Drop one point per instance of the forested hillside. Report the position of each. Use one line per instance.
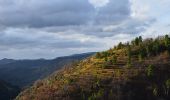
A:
(8, 91)
(25, 72)
(136, 70)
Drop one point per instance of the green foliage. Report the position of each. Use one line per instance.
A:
(150, 70)
(105, 59)
(138, 84)
(167, 42)
(168, 84)
(98, 55)
(138, 40)
(104, 65)
(156, 47)
(142, 53)
(113, 60)
(149, 49)
(140, 57)
(120, 45)
(129, 55)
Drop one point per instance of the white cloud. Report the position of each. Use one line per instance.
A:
(46, 29)
(139, 10)
(99, 3)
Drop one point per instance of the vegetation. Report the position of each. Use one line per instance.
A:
(105, 75)
(8, 91)
(129, 55)
(150, 71)
(23, 73)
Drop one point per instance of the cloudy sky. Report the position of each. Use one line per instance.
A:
(31, 29)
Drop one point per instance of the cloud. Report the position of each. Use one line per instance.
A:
(99, 3)
(36, 28)
(38, 13)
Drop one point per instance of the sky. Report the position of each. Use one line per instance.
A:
(33, 29)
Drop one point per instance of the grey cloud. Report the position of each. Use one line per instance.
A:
(18, 40)
(38, 13)
(114, 12)
(38, 27)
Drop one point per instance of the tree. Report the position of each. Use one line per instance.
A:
(167, 42)
(129, 55)
(149, 49)
(120, 45)
(142, 53)
(140, 39)
(156, 47)
(114, 59)
(104, 54)
(98, 55)
(137, 41)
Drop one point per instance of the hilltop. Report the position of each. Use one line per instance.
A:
(136, 70)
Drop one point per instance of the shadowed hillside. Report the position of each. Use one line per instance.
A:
(24, 72)
(136, 70)
(8, 91)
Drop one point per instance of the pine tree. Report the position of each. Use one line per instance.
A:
(137, 41)
(140, 39)
(167, 42)
(120, 45)
(142, 53)
(156, 47)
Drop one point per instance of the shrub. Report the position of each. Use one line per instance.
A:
(168, 84)
(114, 59)
(150, 71)
(98, 55)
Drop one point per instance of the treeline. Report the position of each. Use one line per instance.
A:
(138, 47)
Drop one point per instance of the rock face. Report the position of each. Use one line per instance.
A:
(127, 72)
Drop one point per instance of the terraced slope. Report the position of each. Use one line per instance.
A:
(121, 73)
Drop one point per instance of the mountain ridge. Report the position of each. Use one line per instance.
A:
(24, 72)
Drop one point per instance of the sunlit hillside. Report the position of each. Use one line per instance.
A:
(136, 70)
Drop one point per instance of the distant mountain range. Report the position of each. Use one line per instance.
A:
(24, 72)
